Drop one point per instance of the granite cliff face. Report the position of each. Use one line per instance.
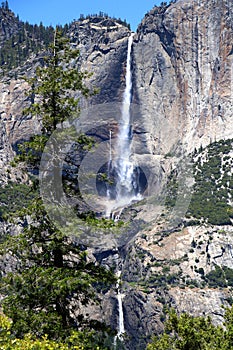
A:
(182, 90)
(9, 25)
(103, 50)
(182, 66)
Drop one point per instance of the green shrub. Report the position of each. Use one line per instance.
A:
(14, 197)
(220, 277)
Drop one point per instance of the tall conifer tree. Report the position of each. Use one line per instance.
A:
(53, 278)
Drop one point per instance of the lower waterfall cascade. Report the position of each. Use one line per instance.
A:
(120, 296)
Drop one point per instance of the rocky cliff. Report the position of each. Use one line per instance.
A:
(182, 98)
(182, 66)
(103, 49)
(10, 25)
(182, 83)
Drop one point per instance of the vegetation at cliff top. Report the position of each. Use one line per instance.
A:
(102, 15)
(26, 39)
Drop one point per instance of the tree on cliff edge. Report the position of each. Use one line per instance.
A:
(53, 277)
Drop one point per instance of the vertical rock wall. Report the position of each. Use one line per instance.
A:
(183, 71)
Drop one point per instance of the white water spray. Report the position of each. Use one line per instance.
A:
(126, 188)
(120, 296)
(123, 165)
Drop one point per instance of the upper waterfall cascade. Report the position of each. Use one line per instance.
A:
(124, 165)
(121, 167)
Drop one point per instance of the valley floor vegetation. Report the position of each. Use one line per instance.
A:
(185, 332)
(182, 332)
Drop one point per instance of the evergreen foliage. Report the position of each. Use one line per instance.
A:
(103, 15)
(27, 39)
(219, 277)
(213, 184)
(52, 96)
(52, 278)
(13, 197)
(5, 5)
(186, 332)
(213, 188)
(24, 40)
(77, 340)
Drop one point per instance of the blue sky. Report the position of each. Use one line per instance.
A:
(52, 12)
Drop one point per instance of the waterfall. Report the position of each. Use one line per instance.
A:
(109, 163)
(124, 166)
(121, 167)
(120, 296)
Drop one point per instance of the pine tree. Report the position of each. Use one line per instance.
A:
(186, 332)
(53, 84)
(53, 278)
(53, 275)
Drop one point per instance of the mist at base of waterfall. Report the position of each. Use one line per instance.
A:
(114, 208)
